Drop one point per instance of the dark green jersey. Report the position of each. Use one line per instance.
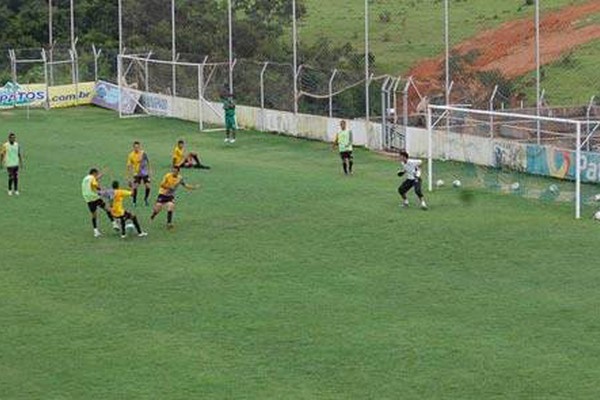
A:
(229, 107)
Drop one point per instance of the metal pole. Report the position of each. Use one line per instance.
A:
(429, 149)
(587, 117)
(335, 71)
(120, 80)
(447, 40)
(295, 46)
(538, 75)
(121, 27)
(492, 109)
(72, 25)
(384, 92)
(262, 95)
(173, 49)
(47, 105)
(367, 66)
(50, 39)
(230, 18)
(13, 65)
(405, 106)
(578, 174)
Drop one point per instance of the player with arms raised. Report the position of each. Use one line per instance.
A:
(138, 168)
(166, 194)
(411, 169)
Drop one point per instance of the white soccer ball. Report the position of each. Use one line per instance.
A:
(439, 183)
(129, 227)
(457, 183)
(597, 197)
(553, 189)
(515, 186)
(597, 216)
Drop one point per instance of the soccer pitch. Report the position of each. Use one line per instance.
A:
(283, 279)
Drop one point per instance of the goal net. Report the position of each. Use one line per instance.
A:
(554, 158)
(184, 90)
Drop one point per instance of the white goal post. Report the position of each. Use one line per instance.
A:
(450, 127)
(149, 87)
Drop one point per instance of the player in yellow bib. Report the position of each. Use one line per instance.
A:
(138, 168)
(182, 159)
(343, 140)
(90, 190)
(11, 158)
(119, 212)
(166, 194)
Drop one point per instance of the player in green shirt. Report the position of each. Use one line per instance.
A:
(10, 156)
(230, 122)
(343, 140)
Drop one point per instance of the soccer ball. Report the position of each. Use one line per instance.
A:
(553, 189)
(129, 227)
(597, 216)
(439, 183)
(515, 186)
(457, 183)
(597, 197)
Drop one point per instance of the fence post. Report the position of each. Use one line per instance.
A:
(405, 106)
(262, 96)
(96, 57)
(491, 107)
(45, 60)
(587, 117)
(384, 98)
(578, 173)
(335, 71)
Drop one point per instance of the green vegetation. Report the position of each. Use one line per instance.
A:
(283, 279)
(406, 31)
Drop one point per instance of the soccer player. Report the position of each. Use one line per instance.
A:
(166, 194)
(230, 122)
(121, 214)
(138, 167)
(90, 189)
(181, 159)
(412, 169)
(343, 140)
(10, 156)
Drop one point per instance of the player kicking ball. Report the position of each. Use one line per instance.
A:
(166, 194)
(411, 169)
(90, 189)
(119, 212)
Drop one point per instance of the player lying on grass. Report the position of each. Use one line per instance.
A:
(90, 189)
(138, 169)
(183, 159)
(411, 169)
(343, 140)
(166, 194)
(10, 156)
(119, 212)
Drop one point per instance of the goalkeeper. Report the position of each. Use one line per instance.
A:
(230, 121)
(411, 169)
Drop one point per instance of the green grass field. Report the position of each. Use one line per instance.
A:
(283, 279)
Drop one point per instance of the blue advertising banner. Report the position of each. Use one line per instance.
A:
(107, 96)
(561, 164)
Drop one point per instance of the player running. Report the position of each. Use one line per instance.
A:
(90, 189)
(181, 159)
(230, 122)
(121, 214)
(10, 156)
(343, 140)
(166, 194)
(412, 169)
(138, 167)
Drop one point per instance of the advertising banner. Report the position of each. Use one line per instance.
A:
(71, 95)
(157, 104)
(561, 164)
(15, 95)
(107, 96)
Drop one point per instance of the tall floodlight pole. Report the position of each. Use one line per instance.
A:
(447, 41)
(367, 66)
(72, 25)
(51, 40)
(173, 48)
(230, 17)
(120, 5)
(295, 63)
(538, 76)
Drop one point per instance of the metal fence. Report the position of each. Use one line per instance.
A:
(341, 62)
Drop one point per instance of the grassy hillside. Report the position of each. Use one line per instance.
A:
(405, 31)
